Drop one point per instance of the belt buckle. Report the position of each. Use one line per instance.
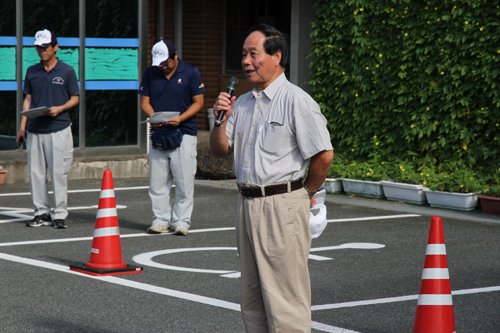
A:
(245, 187)
(241, 188)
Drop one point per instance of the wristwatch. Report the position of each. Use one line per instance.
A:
(308, 190)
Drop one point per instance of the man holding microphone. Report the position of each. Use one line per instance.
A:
(275, 131)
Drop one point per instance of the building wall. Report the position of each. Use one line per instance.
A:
(201, 42)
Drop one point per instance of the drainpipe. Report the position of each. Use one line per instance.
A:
(178, 27)
(160, 21)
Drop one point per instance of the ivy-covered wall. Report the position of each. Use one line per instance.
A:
(410, 79)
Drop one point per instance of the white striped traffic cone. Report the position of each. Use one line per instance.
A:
(435, 306)
(106, 251)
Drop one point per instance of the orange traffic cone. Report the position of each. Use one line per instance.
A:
(435, 306)
(106, 252)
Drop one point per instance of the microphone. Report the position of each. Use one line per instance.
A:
(231, 87)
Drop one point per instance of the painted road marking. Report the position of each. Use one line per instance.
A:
(164, 234)
(155, 289)
(80, 191)
(230, 305)
(77, 239)
(147, 258)
(17, 214)
(369, 218)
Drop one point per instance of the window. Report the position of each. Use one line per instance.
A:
(8, 84)
(111, 73)
(108, 111)
(242, 15)
(39, 15)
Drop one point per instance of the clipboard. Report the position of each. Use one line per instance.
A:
(36, 112)
(161, 117)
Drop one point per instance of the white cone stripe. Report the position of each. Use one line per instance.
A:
(107, 194)
(435, 249)
(111, 231)
(435, 274)
(106, 212)
(427, 299)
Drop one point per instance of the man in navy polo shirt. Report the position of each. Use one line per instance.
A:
(53, 84)
(170, 84)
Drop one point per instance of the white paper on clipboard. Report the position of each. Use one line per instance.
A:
(161, 117)
(36, 112)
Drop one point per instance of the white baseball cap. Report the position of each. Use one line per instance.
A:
(44, 38)
(161, 52)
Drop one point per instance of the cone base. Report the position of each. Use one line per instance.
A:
(129, 269)
(90, 264)
(434, 319)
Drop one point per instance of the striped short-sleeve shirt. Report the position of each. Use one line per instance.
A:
(274, 132)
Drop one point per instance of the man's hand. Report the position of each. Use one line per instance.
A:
(319, 166)
(219, 144)
(313, 201)
(174, 122)
(224, 102)
(54, 111)
(21, 136)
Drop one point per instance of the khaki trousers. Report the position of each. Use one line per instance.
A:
(274, 240)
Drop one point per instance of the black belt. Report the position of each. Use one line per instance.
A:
(264, 191)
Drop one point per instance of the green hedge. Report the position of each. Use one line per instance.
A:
(410, 79)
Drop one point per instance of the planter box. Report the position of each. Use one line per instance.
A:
(332, 185)
(451, 200)
(411, 193)
(490, 204)
(2, 176)
(363, 188)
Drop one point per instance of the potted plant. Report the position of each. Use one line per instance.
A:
(455, 189)
(490, 197)
(2, 175)
(363, 178)
(405, 183)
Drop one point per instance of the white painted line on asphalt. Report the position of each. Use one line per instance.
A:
(365, 302)
(80, 191)
(368, 246)
(319, 258)
(7, 211)
(476, 290)
(14, 194)
(373, 218)
(62, 240)
(331, 329)
(21, 219)
(155, 289)
(232, 275)
(46, 241)
(18, 212)
(398, 299)
(210, 230)
(125, 282)
(229, 305)
(12, 208)
(147, 259)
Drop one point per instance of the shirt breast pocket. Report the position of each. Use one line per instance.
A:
(273, 137)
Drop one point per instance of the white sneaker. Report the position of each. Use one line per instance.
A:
(181, 230)
(157, 229)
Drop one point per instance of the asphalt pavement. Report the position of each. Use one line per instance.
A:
(365, 268)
